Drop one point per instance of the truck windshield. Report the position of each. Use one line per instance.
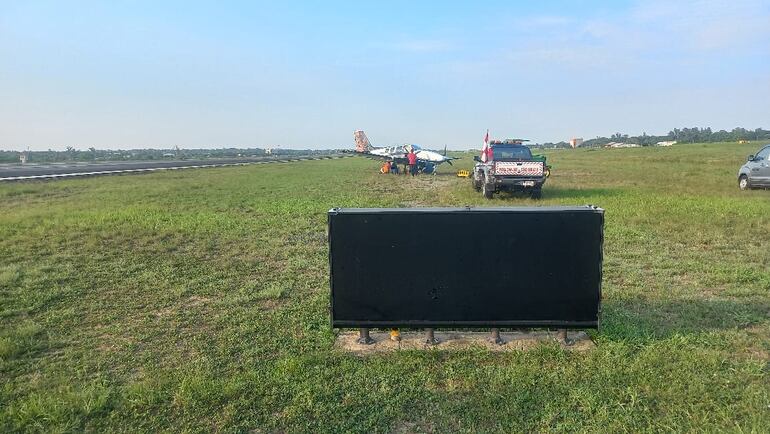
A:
(511, 153)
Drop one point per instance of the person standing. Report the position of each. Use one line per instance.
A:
(412, 158)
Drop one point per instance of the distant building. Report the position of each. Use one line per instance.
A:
(667, 143)
(24, 157)
(268, 151)
(575, 142)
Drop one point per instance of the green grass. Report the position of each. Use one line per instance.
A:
(198, 300)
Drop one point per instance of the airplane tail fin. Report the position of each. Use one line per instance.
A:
(362, 142)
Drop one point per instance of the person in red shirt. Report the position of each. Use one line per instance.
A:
(412, 158)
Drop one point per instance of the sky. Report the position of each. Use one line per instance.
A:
(139, 74)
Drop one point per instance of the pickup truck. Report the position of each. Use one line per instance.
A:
(510, 168)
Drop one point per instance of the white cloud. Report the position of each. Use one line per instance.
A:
(707, 25)
(600, 29)
(652, 34)
(542, 21)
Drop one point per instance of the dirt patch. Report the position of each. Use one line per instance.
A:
(422, 426)
(304, 238)
(450, 340)
(185, 304)
(108, 343)
(196, 300)
(412, 204)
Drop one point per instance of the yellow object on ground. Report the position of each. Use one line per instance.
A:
(395, 335)
(463, 174)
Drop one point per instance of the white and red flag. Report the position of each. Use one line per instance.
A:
(485, 148)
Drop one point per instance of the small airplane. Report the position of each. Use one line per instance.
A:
(426, 160)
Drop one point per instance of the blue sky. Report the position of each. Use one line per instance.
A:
(134, 74)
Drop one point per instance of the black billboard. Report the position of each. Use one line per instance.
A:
(466, 267)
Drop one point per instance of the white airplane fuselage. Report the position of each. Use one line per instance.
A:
(401, 152)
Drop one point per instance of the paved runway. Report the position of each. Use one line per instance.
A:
(17, 172)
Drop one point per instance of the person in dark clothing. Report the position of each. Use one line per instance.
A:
(394, 168)
(412, 158)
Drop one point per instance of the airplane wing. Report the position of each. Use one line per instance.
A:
(434, 157)
(386, 157)
(447, 160)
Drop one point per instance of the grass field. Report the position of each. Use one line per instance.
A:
(198, 301)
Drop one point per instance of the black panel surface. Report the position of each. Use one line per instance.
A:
(443, 267)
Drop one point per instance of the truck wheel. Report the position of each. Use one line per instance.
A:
(743, 182)
(536, 193)
(487, 190)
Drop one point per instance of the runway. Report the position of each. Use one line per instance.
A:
(18, 172)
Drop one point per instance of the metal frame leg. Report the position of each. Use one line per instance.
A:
(561, 336)
(430, 338)
(495, 338)
(363, 337)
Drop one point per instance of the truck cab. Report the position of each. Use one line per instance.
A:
(509, 166)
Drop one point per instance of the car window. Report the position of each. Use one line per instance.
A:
(511, 153)
(763, 154)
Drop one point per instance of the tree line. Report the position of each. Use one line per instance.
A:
(683, 135)
(93, 154)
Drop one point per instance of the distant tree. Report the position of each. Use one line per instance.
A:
(683, 135)
(720, 136)
(674, 135)
(740, 134)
